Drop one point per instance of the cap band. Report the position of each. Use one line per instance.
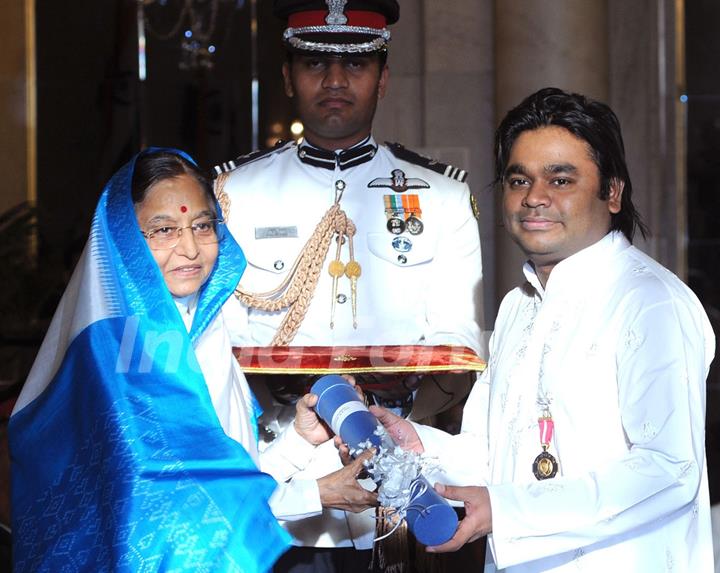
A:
(336, 48)
(355, 18)
(365, 27)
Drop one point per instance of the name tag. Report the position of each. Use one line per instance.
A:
(276, 232)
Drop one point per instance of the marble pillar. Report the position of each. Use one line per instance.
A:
(459, 112)
(440, 101)
(400, 115)
(646, 81)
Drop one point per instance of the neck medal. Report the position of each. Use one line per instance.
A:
(545, 465)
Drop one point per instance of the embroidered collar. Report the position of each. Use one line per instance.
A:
(584, 265)
(356, 155)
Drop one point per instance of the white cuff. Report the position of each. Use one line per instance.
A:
(296, 499)
(292, 447)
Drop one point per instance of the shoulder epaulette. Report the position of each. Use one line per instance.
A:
(401, 152)
(228, 166)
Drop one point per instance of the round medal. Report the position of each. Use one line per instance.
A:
(545, 466)
(395, 225)
(414, 225)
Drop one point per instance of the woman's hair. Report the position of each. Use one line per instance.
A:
(153, 167)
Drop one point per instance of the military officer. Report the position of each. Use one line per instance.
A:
(352, 242)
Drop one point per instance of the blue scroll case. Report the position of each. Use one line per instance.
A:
(428, 516)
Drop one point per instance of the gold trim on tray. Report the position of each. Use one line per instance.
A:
(358, 359)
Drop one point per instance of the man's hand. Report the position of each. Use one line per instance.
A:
(341, 490)
(400, 430)
(478, 516)
(308, 424)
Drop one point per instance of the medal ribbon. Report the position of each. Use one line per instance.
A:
(394, 206)
(414, 205)
(546, 427)
(402, 206)
(545, 465)
(406, 205)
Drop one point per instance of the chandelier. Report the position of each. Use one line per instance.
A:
(195, 24)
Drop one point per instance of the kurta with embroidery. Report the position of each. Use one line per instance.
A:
(618, 348)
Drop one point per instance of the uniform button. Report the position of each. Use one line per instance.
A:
(341, 298)
(302, 153)
(279, 265)
(402, 259)
(339, 184)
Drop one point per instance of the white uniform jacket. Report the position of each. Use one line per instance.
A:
(620, 349)
(414, 288)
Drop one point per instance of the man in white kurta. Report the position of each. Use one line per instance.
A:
(602, 340)
(620, 348)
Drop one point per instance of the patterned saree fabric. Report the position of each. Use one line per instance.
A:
(119, 462)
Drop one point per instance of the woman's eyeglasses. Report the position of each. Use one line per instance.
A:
(167, 237)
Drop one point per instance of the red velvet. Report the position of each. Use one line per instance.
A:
(357, 359)
(361, 18)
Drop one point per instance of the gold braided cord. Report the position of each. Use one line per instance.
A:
(300, 271)
(222, 197)
(297, 289)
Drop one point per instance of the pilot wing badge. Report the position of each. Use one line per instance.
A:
(398, 182)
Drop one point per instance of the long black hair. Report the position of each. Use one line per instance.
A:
(593, 122)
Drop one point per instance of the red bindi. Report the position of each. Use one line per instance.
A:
(183, 208)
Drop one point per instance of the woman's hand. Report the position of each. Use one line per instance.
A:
(341, 490)
(308, 424)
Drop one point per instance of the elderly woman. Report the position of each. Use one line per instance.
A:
(133, 442)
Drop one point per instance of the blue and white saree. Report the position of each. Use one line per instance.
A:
(119, 462)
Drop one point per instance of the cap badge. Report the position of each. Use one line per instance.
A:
(357, 31)
(336, 16)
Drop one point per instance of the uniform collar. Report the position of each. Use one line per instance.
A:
(361, 152)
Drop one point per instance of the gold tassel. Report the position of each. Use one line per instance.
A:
(390, 555)
(425, 562)
(401, 552)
